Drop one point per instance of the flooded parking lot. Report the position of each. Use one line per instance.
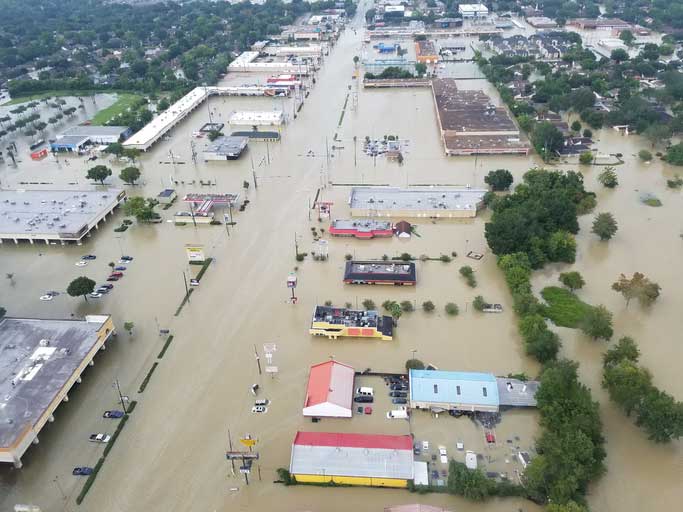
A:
(170, 456)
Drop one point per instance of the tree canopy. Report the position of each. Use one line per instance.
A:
(500, 179)
(81, 286)
(98, 173)
(637, 287)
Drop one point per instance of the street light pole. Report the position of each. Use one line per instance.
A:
(118, 389)
(187, 291)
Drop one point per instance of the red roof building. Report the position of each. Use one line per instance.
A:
(341, 440)
(330, 391)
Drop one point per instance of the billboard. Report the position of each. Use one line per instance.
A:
(195, 252)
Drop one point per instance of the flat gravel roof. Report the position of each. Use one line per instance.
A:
(419, 199)
(32, 373)
(30, 213)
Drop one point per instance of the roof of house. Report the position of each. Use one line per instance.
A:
(357, 455)
(453, 387)
(330, 382)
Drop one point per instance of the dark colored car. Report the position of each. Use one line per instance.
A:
(364, 399)
(399, 401)
(112, 278)
(108, 286)
(399, 394)
(89, 257)
(113, 414)
(127, 258)
(82, 471)
(120, 268)
(117, 274)
(399, 387)
(435, 474)
(102, 290)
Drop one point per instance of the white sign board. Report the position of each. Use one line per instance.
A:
(271, 369)
(194, 252)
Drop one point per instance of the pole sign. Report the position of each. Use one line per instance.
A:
(248, 442)
(241, 455)
(195, 252)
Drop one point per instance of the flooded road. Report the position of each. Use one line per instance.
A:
(170, 456)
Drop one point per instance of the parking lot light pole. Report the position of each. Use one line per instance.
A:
(123, 402)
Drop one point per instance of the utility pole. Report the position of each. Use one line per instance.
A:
(258, 361)
(355, 140)
(268, 151)
(232, 461)
(123, 403)
(192, 214)
(187, 291)
(296, 245)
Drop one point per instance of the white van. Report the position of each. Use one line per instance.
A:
(365, 392)
(397, 414)
(470, 460)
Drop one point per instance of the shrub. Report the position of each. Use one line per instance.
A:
(586, 158)
(451, 309)
(479, 303)
(644, 155)
(467, 272)
(300, 256)
(348, 257)
(406, 257)
(407, 306)
(328, 303)
(572, 280)
(369, 304)
(428, 306)
(414, 364)
(385, 257)
(445, 258)
(608, 178)
(677, 182)
(348, 305)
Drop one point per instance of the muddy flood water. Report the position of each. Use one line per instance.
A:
(170, 455)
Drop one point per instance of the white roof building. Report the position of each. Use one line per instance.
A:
(473, 10)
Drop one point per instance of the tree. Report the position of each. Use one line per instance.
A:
(658, 134)
(562, 247)
(467, 272)
(479, 303)
(81, 286)
(140, 208)
(128, 326)
(471, 484)
(604, 225)
(586, 158)
(115, 148)
(626, 349)
(587, 132)
(421, 68)
(597, 323)
(644, 155)
(627, 37)
(608, 178)
(163, 105)
(369, 304)
(661, 416)
(131, 153)
(547, 139)
(407, 306)
(214, 134)
(576, 126)
(355, 60)
(451, 309)
(414, 364)
(570, 506)
(638, 287)
(130, 175)
(674, 154)
(98, 173)
(3, 312)
(500, 179)
(619, 55)
(428, 306)
(572, 280)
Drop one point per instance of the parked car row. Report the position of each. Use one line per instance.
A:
(115, 275)
(100, 438)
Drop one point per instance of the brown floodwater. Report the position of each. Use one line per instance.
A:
(170, 456)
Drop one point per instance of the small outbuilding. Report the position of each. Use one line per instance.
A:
(166, 196)
(226, 148)
(403, 229)
(329, 392)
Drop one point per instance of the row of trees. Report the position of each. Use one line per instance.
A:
(522, 232)
(630, 387)
(101, 172)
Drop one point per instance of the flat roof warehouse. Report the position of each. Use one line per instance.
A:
(40, 360)
(54, 215)
(415, 202)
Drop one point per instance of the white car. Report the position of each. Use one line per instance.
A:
(443, 455)
(46, 297)
(259, 408)
(99, 438)
(81, 263)
(425, 446)
(95, 295)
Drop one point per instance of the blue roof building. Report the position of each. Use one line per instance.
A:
(464, 391)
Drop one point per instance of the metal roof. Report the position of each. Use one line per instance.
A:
(453, 387)
(232, 145)
(416, 199)
(517, 393)
(359, 455)
(329, 383)
(95, 131)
